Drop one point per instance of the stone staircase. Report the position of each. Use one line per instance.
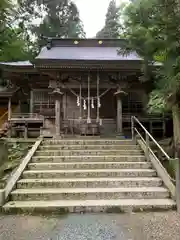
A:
(95, 175)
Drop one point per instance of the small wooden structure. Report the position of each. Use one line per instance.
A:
(78, 86)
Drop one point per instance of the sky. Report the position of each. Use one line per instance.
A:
(92, 13)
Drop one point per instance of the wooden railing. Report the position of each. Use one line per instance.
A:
(26, 115)
(3, 118)
(144, 142)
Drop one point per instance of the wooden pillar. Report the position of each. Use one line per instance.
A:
(58, 107)
(31, 101)
(65, 105)
(58, 115)
(89, 100)
(80, 98)
(119, 115)
(9, 109)
(98, 110)
(119, 94)
(25, 131)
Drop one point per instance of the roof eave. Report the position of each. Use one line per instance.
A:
(90, 64)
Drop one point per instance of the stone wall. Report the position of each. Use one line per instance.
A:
(3, 152)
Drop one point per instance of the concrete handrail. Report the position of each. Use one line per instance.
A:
(144, 144)
(162, 172)
(15, 177)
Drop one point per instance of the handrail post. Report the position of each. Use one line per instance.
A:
(132, 127)
(147, 146)
(178, 184)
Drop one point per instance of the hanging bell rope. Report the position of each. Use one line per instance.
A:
(97, 117)
(89, 110)
(92, 103)
(90, 100)
(80, 101)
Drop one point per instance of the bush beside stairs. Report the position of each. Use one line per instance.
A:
(92, 175)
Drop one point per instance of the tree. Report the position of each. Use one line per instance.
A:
(13, 46)
(61, 19)
(152, 30)
(112, 24)
(22, 23)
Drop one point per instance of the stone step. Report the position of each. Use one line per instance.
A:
(89, 173)
(89, 147)
(96, 206)
(89, 158)
(89, 142)
(87, 152)
(88, 194)
(90, 182)
(89, 165)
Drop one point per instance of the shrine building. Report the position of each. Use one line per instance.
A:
(77, 87)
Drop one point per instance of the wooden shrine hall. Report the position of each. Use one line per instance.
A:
(78, 87)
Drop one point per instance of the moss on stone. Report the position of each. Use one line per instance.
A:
(16, 151)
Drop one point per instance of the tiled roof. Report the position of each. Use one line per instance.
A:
(85, 53)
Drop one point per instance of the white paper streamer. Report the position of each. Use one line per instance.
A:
(78, 101)
(84, 105)
(99, 103)
(92, 103)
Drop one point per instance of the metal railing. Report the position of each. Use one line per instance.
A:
(148, 137)
(150, 155)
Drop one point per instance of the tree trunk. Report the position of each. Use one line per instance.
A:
(176, 127)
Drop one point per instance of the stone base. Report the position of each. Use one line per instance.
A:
(120, 136)
(56, 137)
(45, 132)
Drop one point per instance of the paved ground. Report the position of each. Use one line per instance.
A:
(138, 226)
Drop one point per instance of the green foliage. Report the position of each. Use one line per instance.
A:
(152, 30)
(112, 24)
(12, 46)
(20, 30)
(157, 103)
(13, 43)
(61, 19)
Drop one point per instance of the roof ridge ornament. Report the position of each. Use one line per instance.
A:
(48, 41)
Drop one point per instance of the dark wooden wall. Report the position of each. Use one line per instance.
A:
(133, 103)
